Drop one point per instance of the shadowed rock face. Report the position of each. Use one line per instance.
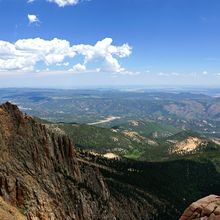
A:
(207, 208)
(42, 175)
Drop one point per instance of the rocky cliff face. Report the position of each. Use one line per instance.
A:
(42, 176)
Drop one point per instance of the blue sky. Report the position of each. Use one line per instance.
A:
(109, 42)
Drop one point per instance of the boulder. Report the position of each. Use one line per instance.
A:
(207, 208)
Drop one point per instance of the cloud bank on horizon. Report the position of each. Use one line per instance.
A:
(26, 54)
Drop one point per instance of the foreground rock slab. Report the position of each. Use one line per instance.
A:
(207, 208)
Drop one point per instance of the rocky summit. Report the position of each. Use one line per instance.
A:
(42, 177)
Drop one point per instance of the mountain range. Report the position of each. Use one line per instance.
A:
(44, 176)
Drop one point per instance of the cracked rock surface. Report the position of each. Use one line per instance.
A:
(207, 208)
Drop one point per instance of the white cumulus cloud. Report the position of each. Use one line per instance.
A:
(25, 54)
(63, 3)
(32, 19)
(104, 50)
(78, 68)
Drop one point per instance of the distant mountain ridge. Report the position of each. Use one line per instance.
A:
(185, 110)
(140, 140)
